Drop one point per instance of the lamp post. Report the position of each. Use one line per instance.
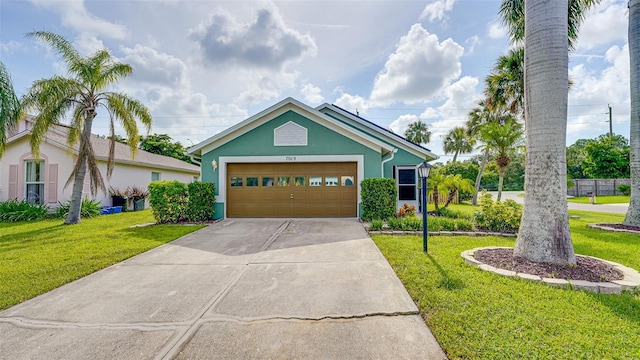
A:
(423, 172)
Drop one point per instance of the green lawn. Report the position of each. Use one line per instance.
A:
(618, 199)
(36, 257)
(480, 315)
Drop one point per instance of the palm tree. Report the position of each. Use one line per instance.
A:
(504, 86)
(81, 94)
(418, 132)
(458, 141)
(503, 139)
(633, 213)
(9, 106)
(544, 234)
(479, 117)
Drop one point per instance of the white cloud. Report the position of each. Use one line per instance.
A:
(312, 94)
(593, 90)
(263, 87)
(267, 42)
(354, 104)
(603, 24)
(75, 15)
(151, 66)
(472, 42)
(420, 67)
(437, 10)
(400, 125)
(461, 97)
(184, 114)
(496, 30)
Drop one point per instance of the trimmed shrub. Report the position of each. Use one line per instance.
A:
(376, 225)
(14, 211)
(394, 223)
(410, 224)
(378, 198)
(498, 216)
(202, 196)
(169, 201)
(88, 209)
(453, 214)
(624, 189)
(449, 224)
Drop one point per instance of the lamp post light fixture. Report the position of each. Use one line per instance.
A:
(424, 169)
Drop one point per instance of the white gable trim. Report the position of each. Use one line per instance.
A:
(224, 160)
(402, 143)
(278, 109)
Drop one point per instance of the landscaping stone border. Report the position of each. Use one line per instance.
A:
(440, 233)
(603, 226)
(630, 281)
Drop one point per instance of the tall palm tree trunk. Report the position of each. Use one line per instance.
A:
(500, 182)
(485, 159)
(455, 156)
(633, 214)
(544, 234)
(73, 217)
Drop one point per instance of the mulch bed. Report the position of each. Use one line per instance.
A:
(588, 269)
(621, 227)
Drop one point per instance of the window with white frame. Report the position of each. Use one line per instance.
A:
(34, 181)
(155, 176)
(406, 179)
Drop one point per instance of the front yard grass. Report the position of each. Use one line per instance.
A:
(38, 256)
(617, 199)
(480, 315)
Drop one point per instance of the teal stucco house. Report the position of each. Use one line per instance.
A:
(292, 160)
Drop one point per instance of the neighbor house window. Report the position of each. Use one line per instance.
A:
(155, 176)
(406, 179)
(34, 181)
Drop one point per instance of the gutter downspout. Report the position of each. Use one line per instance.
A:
(393, 153)
(193, 159)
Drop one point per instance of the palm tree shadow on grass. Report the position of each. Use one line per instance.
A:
(625, 306)
(447, 282)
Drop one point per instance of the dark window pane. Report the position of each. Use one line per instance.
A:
(252, 181)
(236, 181)
(35, 193)
(267, 181)
(407, 176)
(406, 193)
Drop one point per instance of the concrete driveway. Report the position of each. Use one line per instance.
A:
(238, 289)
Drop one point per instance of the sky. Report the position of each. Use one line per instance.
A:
(203, 66)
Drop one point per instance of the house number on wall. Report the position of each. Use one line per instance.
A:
(290, 158)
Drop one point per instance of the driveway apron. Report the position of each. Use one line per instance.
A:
(237, 289)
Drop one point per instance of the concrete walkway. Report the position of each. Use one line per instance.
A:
(238, 289)
(605, 208)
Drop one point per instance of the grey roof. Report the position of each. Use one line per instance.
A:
(122, 154)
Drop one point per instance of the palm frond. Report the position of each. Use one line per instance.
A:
(10, 108)
(61, 45)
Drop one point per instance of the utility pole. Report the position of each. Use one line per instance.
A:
(610, 122)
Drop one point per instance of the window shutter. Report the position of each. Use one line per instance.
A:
(52, 181)
(13, 181)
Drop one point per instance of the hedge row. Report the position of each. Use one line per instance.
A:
(174, 201)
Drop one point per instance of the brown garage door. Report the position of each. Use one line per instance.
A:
(292, 190)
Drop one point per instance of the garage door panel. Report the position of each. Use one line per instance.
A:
(285, 190)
